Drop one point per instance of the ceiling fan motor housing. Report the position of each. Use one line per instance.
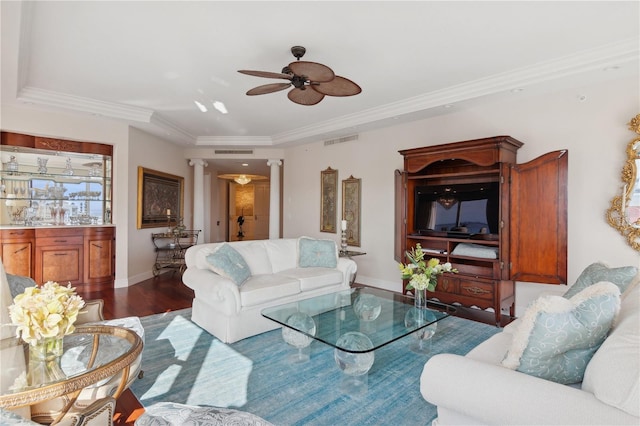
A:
(298, 51)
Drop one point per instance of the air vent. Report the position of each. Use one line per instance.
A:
(341, 140)
(234, 151)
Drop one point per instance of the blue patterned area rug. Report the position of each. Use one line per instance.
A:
(185, 364)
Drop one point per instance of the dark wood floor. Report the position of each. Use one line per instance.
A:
(163, 293)
(167, 293)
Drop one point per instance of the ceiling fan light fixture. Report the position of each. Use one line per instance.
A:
(242, 179)
(302, 75)
(220, 107)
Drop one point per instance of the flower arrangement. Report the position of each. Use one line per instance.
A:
(44, 312)
(423, 274)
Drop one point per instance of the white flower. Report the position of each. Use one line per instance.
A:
(47, 311)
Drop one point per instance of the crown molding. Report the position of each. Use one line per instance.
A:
(50, 98)
(595, 59)
(171, 131)
(587, 61)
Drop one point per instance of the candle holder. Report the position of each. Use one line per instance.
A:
(343, 242)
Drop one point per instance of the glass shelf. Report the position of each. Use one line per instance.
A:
(40, 187)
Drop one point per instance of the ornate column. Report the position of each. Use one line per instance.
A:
(274, 199)
(198, 194)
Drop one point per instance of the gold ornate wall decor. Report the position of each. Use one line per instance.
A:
(624, 213)
(351, 209)
(328, 195)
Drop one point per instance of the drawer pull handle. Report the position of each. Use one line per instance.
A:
(60, 254)
(477, 290)
(59, 241)
(96, 245)
(16, 233)
(20, 249)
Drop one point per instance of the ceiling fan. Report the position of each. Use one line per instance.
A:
(311, 81)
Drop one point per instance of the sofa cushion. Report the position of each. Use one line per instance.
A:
(227, 262)
(557, 337)
(255, 254)
(598, 272)
(314, 253)
(613, 375)
(260, 289)
(312, 278)
(282, 253)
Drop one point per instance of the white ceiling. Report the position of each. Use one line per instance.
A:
(147, 62)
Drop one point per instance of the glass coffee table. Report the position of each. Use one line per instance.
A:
(356, 322)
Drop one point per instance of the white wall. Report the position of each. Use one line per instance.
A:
(152, 153)
(594, 131)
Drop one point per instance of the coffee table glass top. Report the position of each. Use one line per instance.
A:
(382, 315)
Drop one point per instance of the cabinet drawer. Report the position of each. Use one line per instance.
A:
(58, 232)
(482, 290)
(447, 284)
(8, 234)
(59, 241)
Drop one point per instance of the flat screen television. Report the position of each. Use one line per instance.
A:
(464, 209)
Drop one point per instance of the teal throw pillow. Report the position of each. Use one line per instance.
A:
(317, 253)
(598, 272)
(227, 262)
(557, 337)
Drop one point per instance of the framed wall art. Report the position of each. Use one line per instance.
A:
(160, 198)
(328, 195)
(351, 209)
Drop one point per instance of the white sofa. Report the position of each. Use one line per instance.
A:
(477, 389)
(232, 312)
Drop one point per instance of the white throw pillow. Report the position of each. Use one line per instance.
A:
(613, 375)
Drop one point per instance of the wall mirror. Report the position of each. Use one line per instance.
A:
(624, 213)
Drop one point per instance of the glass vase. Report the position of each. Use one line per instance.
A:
(46, 349)
(420, 299)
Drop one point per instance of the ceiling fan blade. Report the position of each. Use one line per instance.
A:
(312, 70)
(265, 74)
(305, 96)
(339, 86)
(268, 88)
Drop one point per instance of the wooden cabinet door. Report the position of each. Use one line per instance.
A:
(400, 212)
(16, 251)
(16, 258)
(99, 255)
(62, 264)
(538, 219)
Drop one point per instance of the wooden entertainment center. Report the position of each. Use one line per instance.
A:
(524, 206)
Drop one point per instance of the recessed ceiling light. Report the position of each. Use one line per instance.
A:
(200, 106)
(220, 107)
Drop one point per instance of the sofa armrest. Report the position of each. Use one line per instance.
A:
(214, 289)
(493, 394)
